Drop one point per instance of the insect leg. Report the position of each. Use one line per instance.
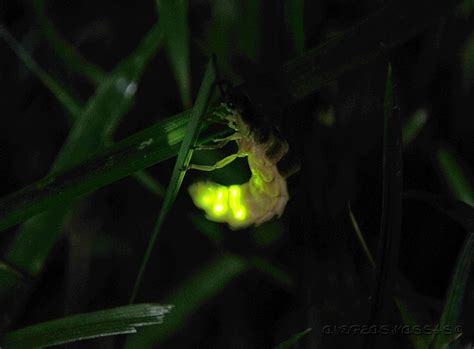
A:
(219, 142)
(219, 164)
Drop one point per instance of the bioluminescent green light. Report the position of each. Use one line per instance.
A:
(221, 203)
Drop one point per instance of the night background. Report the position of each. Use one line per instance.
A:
(375, 101)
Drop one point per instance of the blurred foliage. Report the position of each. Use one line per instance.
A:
(102, 323)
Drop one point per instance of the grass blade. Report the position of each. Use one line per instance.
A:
(144, 149)
(294, 12)
(71, 104)
(413, 126)
(387, 256)
(454, 300)
(278, 275)
(174, 17)
(372, 37)
(421, 341)
(184, 156)
(68, 53)
(203, 286)
(293, 340)
(461, 188)
(99, 119)
(455, 176)
(101, 323)
(468, 61)
(418, 341)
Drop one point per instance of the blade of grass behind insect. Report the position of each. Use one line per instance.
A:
(278, 275)
(294, 13)
(184, 156)
(203, 286)
(413, 126)
(455, 176)
(95, 126)
(418, 341)
(71, 104)
(68, 53)
(293, 340)
(468, 61)
(387, 254)
(73, 107)
(247, 30)
(462, 189)
(454, 300)
(174, 17)
(137, 152)
(78, 327)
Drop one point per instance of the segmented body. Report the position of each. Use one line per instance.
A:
(265, 195)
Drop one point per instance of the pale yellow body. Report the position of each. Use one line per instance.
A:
(264, 196)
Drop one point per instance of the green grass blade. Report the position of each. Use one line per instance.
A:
(462, 189)
(418, 341)
(203, 286)
(294, 13)
(390, 226)
(99, 119)
(421, 341)
(137, 152)
(150, 183)
(455, 176)
(68, 53)
(360, 238)
(78, 327)
(278, 275)
(413, 126)
(454, 300)
(174, 17)
(293, 340)
(468, 60)
(70, 103)
(184, 156)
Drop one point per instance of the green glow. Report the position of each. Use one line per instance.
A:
(221, 203)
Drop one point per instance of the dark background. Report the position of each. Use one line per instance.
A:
(94, 264)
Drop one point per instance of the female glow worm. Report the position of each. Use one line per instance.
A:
(265, 194)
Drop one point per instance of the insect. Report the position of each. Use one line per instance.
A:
(265, 195)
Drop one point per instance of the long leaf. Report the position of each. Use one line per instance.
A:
(407, 315)
(413, 126)
(184, 156)
(462, 189)
(96, 124)
(294, 13)
(387, 256)
(71, 57)
(394, 23)
(203, 286)
(174, 17)
(293, 340)
(146, 148)
(71, 104)
(455, 176)
(78, 327)
(454, 300)
(65, 50)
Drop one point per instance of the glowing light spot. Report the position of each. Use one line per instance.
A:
(240, 215)
(221, 193)
(205, 200)
(221, 204)
(234, 191)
